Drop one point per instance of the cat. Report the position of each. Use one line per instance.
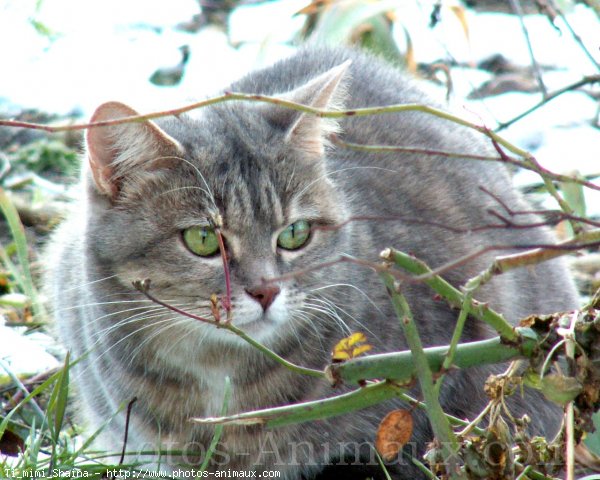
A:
(285, 199)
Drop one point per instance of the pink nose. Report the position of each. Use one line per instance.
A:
(264, 294)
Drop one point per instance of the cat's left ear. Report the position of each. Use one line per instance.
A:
(308, 132)
(117, 152)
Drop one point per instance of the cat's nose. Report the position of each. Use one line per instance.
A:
(264, 294)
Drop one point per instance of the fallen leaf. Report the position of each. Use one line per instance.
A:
(11, 444)
(393, 433)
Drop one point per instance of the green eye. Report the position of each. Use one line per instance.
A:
(201, 240)
(294, 236)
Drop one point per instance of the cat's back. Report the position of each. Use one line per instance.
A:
(370, 81)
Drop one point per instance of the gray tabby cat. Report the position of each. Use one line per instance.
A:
(155, 191)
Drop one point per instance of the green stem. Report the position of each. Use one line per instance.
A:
(399, 366)
(270, 353)
(451, 294)
(382, 466)
(439, 423)
(315, 410)
(458, 329)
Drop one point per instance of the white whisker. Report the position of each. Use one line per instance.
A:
(88, 283)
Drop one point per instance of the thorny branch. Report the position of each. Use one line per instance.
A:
(465, 156)
(322, 113)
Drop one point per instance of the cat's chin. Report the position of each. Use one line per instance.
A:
(262, 330)
(262, 325)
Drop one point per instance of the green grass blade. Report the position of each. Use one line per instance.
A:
(58, 400)
(23, 276)
(35, 392)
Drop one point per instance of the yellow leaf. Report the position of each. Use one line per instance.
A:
(355, 338)
(409, 57)
(356, 351)
(350, 347)
(461, 14)
(340, 356)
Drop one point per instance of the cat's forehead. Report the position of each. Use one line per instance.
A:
(230, 135)
(243, 164)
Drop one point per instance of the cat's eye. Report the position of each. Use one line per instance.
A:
(201, 240)
(294, 236)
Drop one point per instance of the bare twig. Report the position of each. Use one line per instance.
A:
(534, 254)
(39, 378)
(557, 216)
(516, 6)
(443, 153)
(15, 379)
(530, 159)
(569, 88)
(336, 140)
(577, 38)
(126, 434)
(322, 113)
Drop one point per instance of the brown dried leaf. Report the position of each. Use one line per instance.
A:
(11, 444)
(393, 433)
(313, 7)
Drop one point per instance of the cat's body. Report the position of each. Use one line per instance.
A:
(260, 168)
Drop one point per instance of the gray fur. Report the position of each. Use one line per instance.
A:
(239, 161)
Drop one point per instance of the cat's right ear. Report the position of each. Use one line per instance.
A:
(116, 151)
(306, 132)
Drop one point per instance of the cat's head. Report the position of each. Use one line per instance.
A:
(160, 194)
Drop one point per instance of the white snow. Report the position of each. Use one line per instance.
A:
(26, 354)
